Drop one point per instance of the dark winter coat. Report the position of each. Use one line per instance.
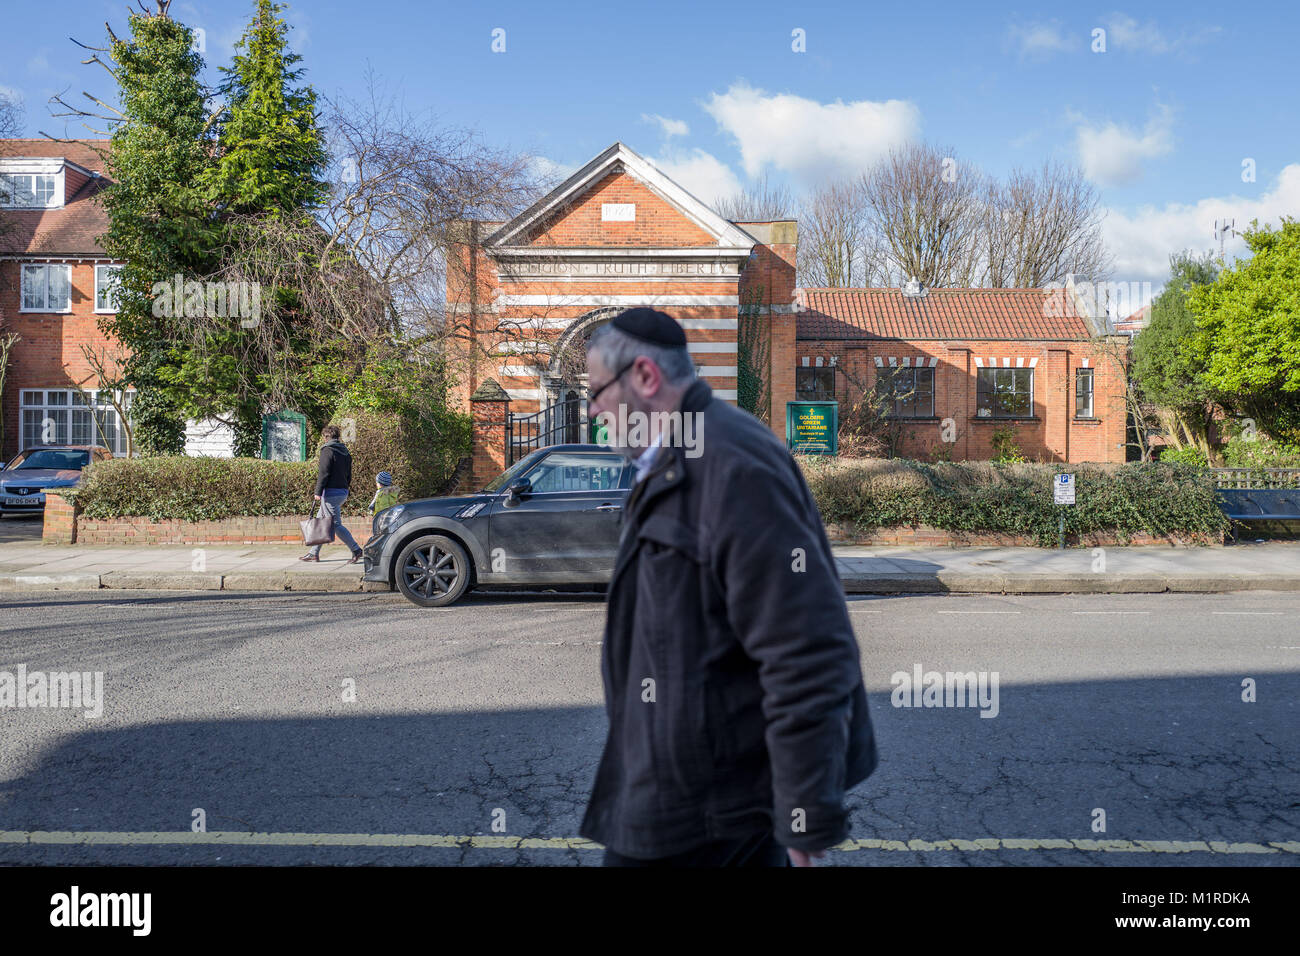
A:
(732, 677)
(335, 469)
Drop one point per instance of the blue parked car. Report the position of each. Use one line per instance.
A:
(44, 466)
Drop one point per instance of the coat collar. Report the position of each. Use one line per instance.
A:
(668, 474)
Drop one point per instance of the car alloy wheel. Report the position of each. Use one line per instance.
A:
(433, 571)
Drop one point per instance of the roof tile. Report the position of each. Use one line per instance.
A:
(939, 314)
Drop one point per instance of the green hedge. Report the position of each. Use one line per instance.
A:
(420, 456)
(989, 497)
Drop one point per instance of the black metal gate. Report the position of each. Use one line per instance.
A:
(564, 422)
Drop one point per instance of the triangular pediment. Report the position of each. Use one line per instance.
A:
(618, 159)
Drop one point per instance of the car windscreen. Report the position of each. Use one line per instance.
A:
(53, 458)
(502, 480)
(577, 471)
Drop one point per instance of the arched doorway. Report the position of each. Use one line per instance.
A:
(562, 418)
(567, 372)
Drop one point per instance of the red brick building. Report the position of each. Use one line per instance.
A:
(620, 233)
(964, 364)
(55, 284)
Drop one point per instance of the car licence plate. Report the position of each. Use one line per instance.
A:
(19, 502)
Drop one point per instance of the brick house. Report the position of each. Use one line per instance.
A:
(961, 364)
(55, 284)
(620, 233)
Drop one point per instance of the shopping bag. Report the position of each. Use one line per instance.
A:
(318, 530)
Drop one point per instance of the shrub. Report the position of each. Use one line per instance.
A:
(1187, 455)
(1016, 498)
(1259, 452)
(421, 455)
(1005, 446)
(195, 489)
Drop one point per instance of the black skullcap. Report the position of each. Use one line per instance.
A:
(651, 325)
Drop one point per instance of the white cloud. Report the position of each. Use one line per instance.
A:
(1038, 39)
(1142, 242)
(1112, 155)
(1125, 33)
(807, 139)
(701, 174)
(670, 127)
(551, 172)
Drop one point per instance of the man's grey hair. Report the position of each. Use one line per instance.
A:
(617, 349)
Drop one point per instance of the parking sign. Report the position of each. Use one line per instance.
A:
(1063, 490)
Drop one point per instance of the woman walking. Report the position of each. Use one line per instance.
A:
(333, 476)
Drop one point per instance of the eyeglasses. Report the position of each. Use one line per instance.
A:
(596, 394)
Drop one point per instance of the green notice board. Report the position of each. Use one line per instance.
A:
(284, 436)
(811, 428)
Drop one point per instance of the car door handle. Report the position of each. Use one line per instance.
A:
(609, 507)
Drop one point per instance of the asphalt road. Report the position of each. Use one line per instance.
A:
(492, 709)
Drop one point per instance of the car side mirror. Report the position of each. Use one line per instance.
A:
(519, 488)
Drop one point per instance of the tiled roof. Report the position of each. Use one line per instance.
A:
(939, 314)
(67, 231)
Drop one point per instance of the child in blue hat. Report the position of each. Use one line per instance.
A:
(385, 493)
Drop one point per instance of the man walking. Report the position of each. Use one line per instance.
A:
(333, 475)
(733, 686)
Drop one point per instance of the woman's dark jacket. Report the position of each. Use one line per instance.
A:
(335, 470)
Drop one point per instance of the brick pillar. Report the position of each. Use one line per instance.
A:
(1054, 404)
(1109, 393)
(60, 525)
(961, 396)
(781, 375)
(489, 408)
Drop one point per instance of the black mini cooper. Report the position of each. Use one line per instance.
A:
(551, 518)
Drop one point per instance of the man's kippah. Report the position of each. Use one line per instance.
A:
(651, 325)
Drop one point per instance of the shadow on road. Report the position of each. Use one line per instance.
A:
(1166, 759)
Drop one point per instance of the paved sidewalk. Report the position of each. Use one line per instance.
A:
(865, 570)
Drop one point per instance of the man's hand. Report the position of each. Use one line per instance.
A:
(800, 858)
(317, 497)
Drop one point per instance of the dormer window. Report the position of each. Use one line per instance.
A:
(29, 190)
(35, 183)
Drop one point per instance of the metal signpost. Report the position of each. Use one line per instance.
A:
(1062, 494)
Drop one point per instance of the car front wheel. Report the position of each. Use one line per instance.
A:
(433, 571)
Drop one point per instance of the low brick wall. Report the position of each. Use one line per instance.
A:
(262, 530)
(924, 536)
(63, 525)
(66, 525)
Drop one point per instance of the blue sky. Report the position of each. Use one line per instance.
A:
(1161, 121)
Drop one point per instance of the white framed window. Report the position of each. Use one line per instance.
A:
(46, 288)
(63, 416)
(106, 279)
(30, 190)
